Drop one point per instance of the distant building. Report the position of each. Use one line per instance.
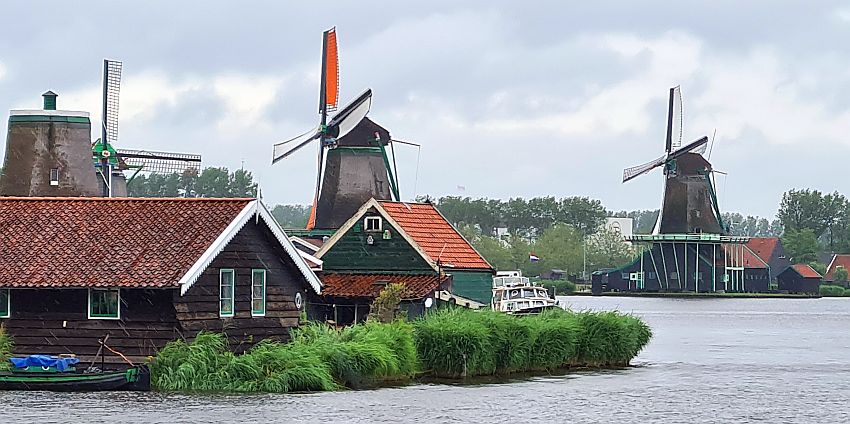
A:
(771, 251)
(799, 278)
(838, 261)
(622, 226)
(553, 274)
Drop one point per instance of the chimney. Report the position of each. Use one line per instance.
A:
(50, 100)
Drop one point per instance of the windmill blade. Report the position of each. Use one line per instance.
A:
(711, 144)
(676, 119)
(630, 173)
(351, 115)
(692, 147)
(280, 149)
(111, 90)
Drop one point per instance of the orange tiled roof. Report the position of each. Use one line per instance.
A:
(369, 285)
(837, 261)
(439, 239)
(96, 242)
(763, 246)
(806, 271)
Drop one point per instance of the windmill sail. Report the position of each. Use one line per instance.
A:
(111, 90)
(634, 171)
(677, 118)
(330, 72)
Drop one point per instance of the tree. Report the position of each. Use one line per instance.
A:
(559, 247)
(584, 214)
(801, 245)
(803, 209)
(840, 275)
(606, 249)
(291, 216)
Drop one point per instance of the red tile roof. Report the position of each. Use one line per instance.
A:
(369, 285)
(805, 271)
(439, 239)
(837, 261)
(733, 251)
(763, 246)
(97, 242)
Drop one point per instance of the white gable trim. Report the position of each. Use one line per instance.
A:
(372, 203)
(311, 258)
(255, 208)
(829, 267)
(298, 240)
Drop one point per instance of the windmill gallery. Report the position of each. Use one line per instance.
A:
(82, 261)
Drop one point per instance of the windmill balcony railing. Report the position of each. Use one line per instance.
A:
(701, 238)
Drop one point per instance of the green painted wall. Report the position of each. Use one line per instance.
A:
(475, 285)
(353, 253)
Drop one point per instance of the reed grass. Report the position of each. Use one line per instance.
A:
(453, 343)
(457, 343)
(6, 346)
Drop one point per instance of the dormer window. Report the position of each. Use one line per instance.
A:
(373, 223)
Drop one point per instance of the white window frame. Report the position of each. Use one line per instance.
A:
(221, 273)
(368, 219)
(8, 313)
(54, 176)
(264, 274)
(88, 307)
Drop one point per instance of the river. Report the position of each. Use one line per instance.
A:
(710, 360)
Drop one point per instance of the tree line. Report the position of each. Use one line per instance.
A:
(814, 223)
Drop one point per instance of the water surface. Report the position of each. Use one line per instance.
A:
(711, 360)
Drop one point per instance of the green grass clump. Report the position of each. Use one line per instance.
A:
(459, 343)
(828, 290)
(5, 349)
(319, 358)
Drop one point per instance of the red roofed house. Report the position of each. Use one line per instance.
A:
(771, 251)
(395, 242)
(145, 272)
(799, 278)
(838, 261)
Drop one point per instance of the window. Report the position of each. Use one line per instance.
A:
(650, 275)
(674, 275)
(105, 303)
(226, 281)
(4, 303)
(372, 223)
(54, 176)
(258, 292)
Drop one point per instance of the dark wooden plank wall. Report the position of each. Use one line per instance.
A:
(253, 248)
(55, 321)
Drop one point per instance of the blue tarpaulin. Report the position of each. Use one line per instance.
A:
(61, 364)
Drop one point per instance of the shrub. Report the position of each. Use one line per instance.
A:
(5, 348)
(831, 290)
(385, 307)
(560, 287)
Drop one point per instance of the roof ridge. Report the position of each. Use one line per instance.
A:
(140, 199)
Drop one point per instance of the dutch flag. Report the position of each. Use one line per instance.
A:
(533, 258)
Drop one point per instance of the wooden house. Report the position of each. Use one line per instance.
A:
(837, 261)
(145, 272)
(799, 278)
(771, 251)
(394, 242)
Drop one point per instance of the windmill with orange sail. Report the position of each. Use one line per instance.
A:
(353, 165)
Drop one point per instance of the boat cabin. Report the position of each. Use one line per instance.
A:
(145, 272)
(516, 294)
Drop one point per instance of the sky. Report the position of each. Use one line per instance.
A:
(507, 99)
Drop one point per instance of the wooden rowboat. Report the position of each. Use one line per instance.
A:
(136, 378)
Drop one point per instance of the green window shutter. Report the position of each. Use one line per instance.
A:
(227, 291)
(5, 310)
(258, 292)
(105, 303)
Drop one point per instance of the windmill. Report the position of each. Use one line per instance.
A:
(352, 160)
(110, 163)
(690, 203)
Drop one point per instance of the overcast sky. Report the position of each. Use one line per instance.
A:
(506, 98)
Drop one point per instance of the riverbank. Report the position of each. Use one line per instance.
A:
(449, 344)
(701, 295)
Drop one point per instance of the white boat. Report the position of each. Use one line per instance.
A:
(515, 294)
